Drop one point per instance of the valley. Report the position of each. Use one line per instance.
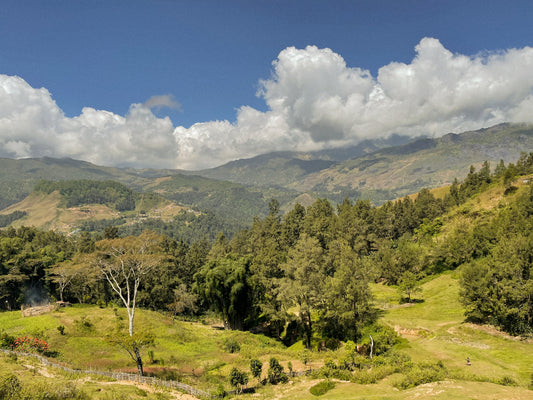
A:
(427, 295)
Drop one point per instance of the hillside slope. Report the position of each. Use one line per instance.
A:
(61, 209)
(234, 202)
(423, 163)
(386, 173)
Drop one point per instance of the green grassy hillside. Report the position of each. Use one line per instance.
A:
(196, 352)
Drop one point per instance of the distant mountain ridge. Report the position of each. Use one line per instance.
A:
(385, 173)
(283, 168)
(242, 189)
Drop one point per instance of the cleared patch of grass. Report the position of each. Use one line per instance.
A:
(435, 330)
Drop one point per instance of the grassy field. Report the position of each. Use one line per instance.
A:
(195, 352)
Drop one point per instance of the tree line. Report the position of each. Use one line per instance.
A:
(305, 275)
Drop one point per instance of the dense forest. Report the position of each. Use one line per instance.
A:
(305, 274)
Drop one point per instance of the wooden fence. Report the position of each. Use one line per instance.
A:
(120, 376)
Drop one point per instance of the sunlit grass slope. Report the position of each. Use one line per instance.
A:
(433, 329)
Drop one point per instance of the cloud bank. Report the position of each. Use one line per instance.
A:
(314, 101)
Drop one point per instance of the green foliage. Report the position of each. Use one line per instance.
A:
(275, 372)
(256, 368)
(304, 284)
(6, 219)
(507, 381)
(322, 388)
(421, 373)
(409, 284)
(236, 202)
(224, 283)
(75, 193)
(7, 341)
(231, 345)
(29, 344)
(348, 306)
(220, 392)
(237, 379)
(10, 387)
(384, 337)
(83, 324)
(498, 288)
(375, 374)
(332, 372)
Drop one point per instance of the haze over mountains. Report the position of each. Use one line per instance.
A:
(377, 170)
(380, 172)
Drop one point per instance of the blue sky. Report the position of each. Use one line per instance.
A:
(210, 59)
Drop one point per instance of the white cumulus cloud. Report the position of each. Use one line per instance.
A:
(314, 101)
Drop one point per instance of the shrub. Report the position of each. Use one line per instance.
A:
(384, 338)
(322, 388)
(423, 373)
(220, 392)
(166, 374)
(10, 387)
(325, 372)
(275, 373)
(374, 375)
(61, 329)
(237, 379)
(47, 391)
(29, 344)
(83, 324)
(6, 341)
(330, 363)
(506, 381)
(256, 367)
(231, 345)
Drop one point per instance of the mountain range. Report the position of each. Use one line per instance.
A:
(378, 170)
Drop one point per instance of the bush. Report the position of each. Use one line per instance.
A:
(322, 388)
(373, 375)
(83, 324)
(256, 367)
(237, 379)
(329, 373)
(6, 341)
(220, 392)
(10, 387)
(44, 391)
(506, 381)
(384, 338)
(275, 373)
(166, 374)
(231, 345)
(423, 373)
(29, 344)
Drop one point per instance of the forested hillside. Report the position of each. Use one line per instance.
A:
(243, 188)
(94, 206)
(318, 279)
(234, 205)
(312, 267)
